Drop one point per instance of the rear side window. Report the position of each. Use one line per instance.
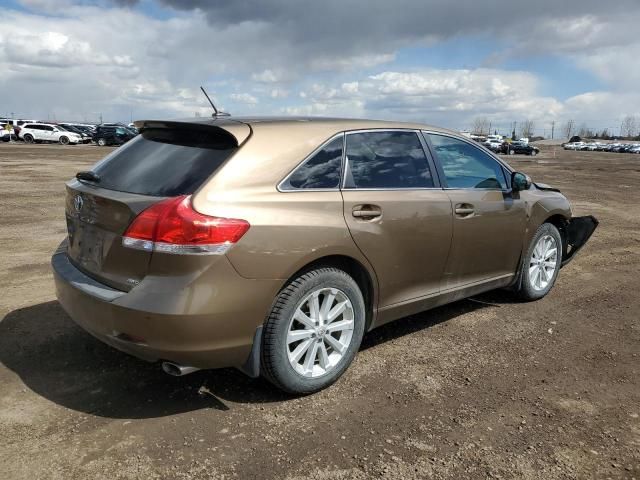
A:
(386, 160)
(321, 171)
(466, 166)
(164, 162)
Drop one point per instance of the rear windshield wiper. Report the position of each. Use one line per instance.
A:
(88, 176)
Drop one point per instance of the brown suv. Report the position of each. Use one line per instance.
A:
(273, 245)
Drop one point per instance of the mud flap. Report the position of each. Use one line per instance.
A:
(579, 230)
(251, 367)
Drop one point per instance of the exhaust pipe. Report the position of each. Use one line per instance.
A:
(177, 370)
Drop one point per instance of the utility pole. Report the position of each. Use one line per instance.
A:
(553, 127)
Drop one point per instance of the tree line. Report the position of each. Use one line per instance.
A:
(629, 128)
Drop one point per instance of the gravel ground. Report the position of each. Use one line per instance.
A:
(483, 388)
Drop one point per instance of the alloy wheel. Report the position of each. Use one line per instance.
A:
(543, 263)
(320, 332)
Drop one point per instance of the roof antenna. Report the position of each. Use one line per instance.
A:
(216, 112)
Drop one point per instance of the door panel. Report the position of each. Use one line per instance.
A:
(406, 238)
(488, 221)
(488, 227)
(397, 215)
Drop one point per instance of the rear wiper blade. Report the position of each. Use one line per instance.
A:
(88, 176)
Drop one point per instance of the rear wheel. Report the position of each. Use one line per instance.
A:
(313, 331)
(533, 153)
(28, 138)
(512, 152)
(64, 140)
(541, 264)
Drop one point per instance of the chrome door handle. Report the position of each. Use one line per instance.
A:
(366, 212)
(464, 209)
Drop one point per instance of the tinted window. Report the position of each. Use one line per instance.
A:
(34, 127)
(322, 170)
(47, 127)
(386, 160)
(466, 166)
(164, 162)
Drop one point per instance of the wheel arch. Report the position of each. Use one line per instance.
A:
(362, 276)
(539, 215)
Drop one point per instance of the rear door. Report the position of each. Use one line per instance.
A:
(488, 220)
(397, 214)
(48, 133)
(159, 163)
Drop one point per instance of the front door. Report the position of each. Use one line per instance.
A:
(397, 214)
(488, 220)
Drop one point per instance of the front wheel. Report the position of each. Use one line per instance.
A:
(541, 264)
(313, 331)
(533, 153)
(101, 142)
(64, 140)
(512, 152)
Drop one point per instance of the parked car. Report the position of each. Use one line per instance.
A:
(7, 134)
(573, 145)
(522, 148)
(273, 245)
(86, 137)
(42, 132)
(495, 145)
(112, 135)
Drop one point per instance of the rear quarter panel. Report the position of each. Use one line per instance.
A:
(288, 229)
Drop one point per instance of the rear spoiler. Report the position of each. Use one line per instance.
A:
(232, 132)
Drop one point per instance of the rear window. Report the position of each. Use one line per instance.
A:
(164, 162)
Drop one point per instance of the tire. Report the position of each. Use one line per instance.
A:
(63, 140)
(101, 142)
(313, 370)
(28, 138)
(535, 283)
(533, 153)
(512, 152)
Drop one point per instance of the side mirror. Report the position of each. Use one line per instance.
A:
(520, 181)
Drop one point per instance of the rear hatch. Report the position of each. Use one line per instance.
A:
(167, 159)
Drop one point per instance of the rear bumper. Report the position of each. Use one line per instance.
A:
(579, 230)
(199, 323)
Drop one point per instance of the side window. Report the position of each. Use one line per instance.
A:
(119, 130)
(47, 127)
(388, 159)
(322, 170)
(466, 166)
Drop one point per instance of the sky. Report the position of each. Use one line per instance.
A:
(441, 62)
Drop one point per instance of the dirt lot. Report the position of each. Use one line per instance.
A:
(490, 389)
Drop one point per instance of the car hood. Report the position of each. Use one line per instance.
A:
(544, 186)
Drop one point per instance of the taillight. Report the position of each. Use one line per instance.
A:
(173, 226)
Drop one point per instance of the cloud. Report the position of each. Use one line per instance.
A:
(434, 96)
(123, 58)
(245, 98)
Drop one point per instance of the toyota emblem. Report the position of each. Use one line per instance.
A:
(78, 203)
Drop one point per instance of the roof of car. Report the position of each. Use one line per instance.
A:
(339, 123)
(237, 126)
